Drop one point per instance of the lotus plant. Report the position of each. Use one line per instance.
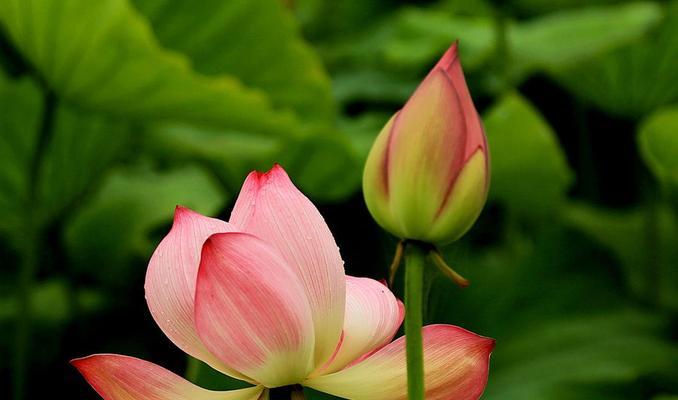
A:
(427, 175)
(425, 181)
(264, 298)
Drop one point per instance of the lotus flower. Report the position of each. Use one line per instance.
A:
(264, 298)
(426, 177)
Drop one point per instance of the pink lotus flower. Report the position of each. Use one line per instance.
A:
(426, 177)
(264, 298)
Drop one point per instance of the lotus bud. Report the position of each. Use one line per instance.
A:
(427, 174)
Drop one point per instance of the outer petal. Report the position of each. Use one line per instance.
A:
(250, 311)
(465, 201)
(373, 315)
(272, 208)
(425, 153)
(171, 279)
(117, 377)
(474, 130)
(376, 180)
(456, 365)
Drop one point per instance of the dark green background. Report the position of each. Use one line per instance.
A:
(114, 111)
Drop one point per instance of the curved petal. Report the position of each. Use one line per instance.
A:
(272, 208)
(451, 64)
(465, 202)
(456, 364)
(376, 180)
(426, 152)
(249, 311)
(171, 279)
(373, 315)
(117, 377)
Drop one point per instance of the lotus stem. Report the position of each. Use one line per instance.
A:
(415, 262)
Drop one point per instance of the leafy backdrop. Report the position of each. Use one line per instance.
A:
(113, 111)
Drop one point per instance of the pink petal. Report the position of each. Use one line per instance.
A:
(451, 64)
(250, 310)
(171, 279)
(272, 208)
(117, 377)
(456, 365)
(425, 154)
(373, 315)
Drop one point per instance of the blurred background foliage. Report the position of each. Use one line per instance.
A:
(113, 111)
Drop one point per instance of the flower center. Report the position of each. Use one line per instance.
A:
(286, 392)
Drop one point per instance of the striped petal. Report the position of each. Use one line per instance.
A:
(272, 208)
(117, 377)
(171, 279)
(456, 364)
(250, 311)
(373, 315)
(451, 65)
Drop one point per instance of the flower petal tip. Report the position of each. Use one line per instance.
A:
(450, 57)
(482, 344)
(487, 344)
(81, 362)
(85, 365)
(276, 172)
(253, 178)
(258, 179)
(77, 363)
(179, 209)
(478, 341)
(181, 212)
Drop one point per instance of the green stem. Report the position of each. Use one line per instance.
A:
(30, 246)
(415, 262)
